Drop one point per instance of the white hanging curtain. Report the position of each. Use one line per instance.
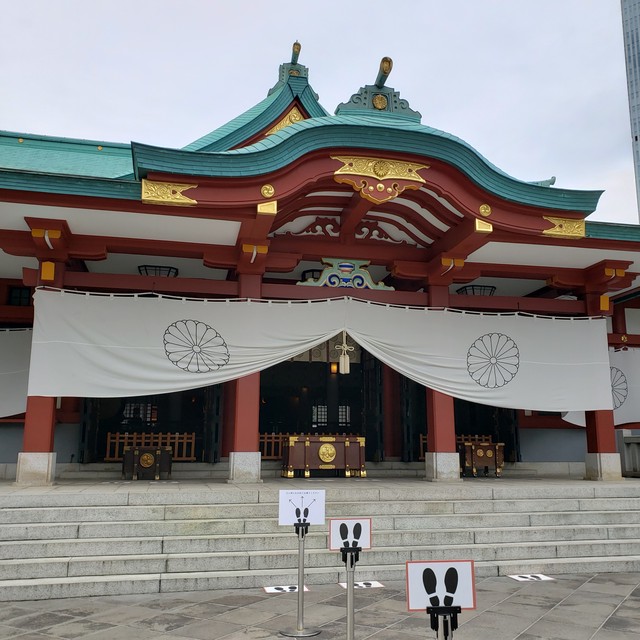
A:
(624, 386)
(122, 345)
(15, 351)
(505, 360)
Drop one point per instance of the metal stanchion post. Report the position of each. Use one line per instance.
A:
(350, 555)
(449, 617)
(301, 528)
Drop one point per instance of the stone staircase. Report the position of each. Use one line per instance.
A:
(112, 537)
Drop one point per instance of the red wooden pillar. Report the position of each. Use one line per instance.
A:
(441, 459)
(244, 436)
(601, 435)
(37, 461)
(602, 461)
(246, 414)
(228, 417)
(246, 405)
(619, 319)
(39, 425)
(392, 436)
(441, 425)
(438, 295)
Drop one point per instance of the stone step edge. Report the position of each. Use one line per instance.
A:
(45, 589)
(336, 503)
(314, 534)
(274, 519)
(262, 496)
(309, 571)
(317, 551)
(160, 516)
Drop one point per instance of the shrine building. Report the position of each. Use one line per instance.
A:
(346, 293)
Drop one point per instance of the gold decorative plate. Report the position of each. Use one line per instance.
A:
(147, 460)
(327, 453)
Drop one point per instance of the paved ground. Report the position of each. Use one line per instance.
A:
(571, 607)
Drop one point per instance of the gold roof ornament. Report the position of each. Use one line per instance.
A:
(389, 177)
(169, 193)
(565, 227)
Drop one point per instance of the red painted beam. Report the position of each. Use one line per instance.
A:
(133, 283)
(318, 247)
(512, 303)
(295, 292)
(16, 315)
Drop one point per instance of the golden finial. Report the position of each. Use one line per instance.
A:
(386, 64)
(295, 52)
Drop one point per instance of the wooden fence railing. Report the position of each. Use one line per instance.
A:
(459, 441)
(182, 445)
(271, 445)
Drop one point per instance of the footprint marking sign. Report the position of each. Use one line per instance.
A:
(349, 532)
(440, 583)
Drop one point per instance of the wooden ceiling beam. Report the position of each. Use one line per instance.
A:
(352, 215)
(318, 247)
(461, 241)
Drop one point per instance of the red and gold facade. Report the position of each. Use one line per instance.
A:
(245, 212)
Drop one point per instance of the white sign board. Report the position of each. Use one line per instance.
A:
(301, 506)
(349, 532)
(440, 583)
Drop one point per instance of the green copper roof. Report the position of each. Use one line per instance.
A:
(64, 156)
(119, 188)
(374, 132)
(288, 88)
(612, 231)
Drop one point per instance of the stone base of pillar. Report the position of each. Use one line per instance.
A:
(442, 467)
(36, 468)
(244, 466)
(603, 466)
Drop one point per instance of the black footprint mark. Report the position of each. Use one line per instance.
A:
(344, 534)
(430, 583)
(451, 584)
(357, 532)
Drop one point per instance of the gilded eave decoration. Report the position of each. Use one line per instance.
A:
(169, 193)
(565, 227)
(378, 179)
(291, 118)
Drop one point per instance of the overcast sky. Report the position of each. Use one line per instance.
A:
(538, 87)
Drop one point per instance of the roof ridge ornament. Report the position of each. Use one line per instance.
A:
(386, 64)
(379, 98)
(295, 52)
(291, 69)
